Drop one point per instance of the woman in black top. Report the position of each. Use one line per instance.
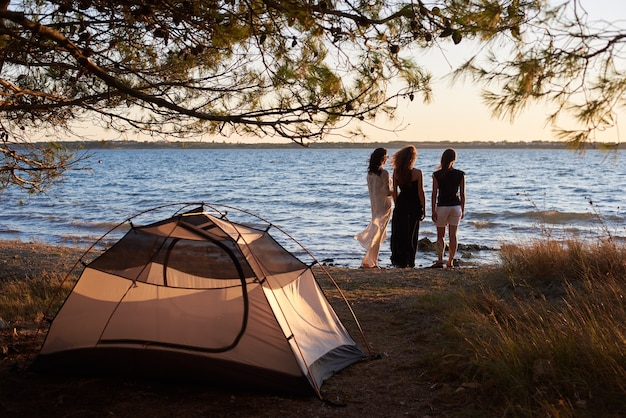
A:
(410, 207)
(448, 204)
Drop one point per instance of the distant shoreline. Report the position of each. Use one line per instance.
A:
(95, 145)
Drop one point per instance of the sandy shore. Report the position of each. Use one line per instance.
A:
(21, 260)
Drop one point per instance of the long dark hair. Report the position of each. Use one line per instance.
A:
(447, 159)
(376, 161)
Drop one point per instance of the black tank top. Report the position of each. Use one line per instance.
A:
(449, 182)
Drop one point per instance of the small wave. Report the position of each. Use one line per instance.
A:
(96, 226)
(547, 216)
(482, 224)
(9, 232)
(485, 215)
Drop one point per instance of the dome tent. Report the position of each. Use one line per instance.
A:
(198, 297)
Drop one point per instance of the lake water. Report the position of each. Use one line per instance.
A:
(319, 196)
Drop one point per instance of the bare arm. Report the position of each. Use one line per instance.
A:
(422, 196)
(462, 196)
(433, 199)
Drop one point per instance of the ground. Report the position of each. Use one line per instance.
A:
(398, 334)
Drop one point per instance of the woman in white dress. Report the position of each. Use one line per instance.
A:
(379, 187)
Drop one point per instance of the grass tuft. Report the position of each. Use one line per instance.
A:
(32, 298)
(545, 261)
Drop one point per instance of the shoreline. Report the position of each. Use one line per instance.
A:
(47, 256)
(420, 144)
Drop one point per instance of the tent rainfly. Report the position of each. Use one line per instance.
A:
(198, 297)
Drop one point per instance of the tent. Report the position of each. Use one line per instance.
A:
(198, 297)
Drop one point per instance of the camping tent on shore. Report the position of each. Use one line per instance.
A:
(198, 297)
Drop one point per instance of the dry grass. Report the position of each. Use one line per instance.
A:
(548, 261)
(527, 339)
(552, 342)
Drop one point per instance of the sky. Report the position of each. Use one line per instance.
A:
(457, 112)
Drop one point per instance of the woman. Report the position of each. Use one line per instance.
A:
(410, 207)
(378, 185)
(448, 205)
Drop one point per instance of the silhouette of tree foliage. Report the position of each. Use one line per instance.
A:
(567, 58)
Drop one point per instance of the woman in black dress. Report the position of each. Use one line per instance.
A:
(410, 206)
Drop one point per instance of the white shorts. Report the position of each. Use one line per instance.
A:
(448, 215)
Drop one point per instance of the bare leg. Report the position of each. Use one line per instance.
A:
(453, 245)
(441, 245)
